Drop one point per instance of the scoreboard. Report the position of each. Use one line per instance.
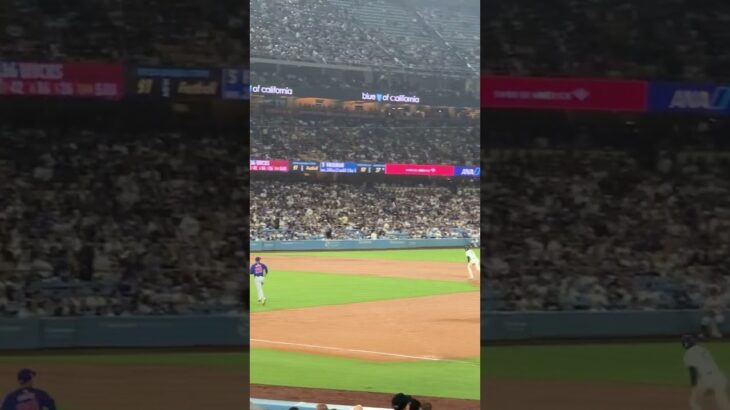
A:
(305, 166)
(174, 82)
(366, 168)
(282, 165)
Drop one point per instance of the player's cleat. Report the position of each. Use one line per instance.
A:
(264, 302)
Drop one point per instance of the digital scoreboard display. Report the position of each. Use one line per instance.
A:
(343, 167)
(305, 166)
(174, 82)
(276, 165)
(366, 168)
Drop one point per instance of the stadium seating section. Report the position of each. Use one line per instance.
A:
(150, 32)
(104, 223)
(395, 34)
(596, 38)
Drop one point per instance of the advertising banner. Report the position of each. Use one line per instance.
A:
(344, 167)
(389, 98)
(235, 84)
(276, 165)
(563, 94)
(684, 97)
(419, 169)
(271, 90)
(467, 172)
(56, 79)
(349, 94)
(174, 82)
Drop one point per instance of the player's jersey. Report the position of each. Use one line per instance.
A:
(258, 269)
(701, 359)
(28, 398)
(472, 256)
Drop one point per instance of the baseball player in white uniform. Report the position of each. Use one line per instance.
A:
(472, 261)
(704, 375)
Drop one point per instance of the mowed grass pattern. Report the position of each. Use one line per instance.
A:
(650, 363)
(289, 290)
(425, 378)
(433, 255)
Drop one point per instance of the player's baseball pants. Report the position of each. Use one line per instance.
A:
(715, 382)
(260, 287)
(469, 268)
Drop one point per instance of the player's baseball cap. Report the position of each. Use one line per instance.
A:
(26, 375)
(400, 401)
(258, 258)
(688, 341)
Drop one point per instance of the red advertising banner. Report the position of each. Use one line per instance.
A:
(419, 169)
(277, 165)
(57, 79)
(563, 93)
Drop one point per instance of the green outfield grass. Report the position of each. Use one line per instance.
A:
(652, 363)
(425, 378)
(288, 290)
(434, 255)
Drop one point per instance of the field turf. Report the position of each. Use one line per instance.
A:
(425, 378)
(639, 363)
(225, 360)
(303, 289)
(458, 379)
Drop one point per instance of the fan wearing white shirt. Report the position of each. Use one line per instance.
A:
(704, 375)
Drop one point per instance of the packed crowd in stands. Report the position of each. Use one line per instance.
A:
(606, 230)
(150, 32)
(380, 33)
(297, 210)
(109, 224)
(627, 39)
(353, 140)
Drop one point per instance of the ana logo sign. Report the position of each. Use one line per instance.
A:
(467, 171)
(718, 100)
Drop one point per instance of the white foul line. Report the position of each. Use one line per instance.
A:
(341, 349)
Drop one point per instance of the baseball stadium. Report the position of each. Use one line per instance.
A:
(605, 232)
(122, 171)
(364, 219)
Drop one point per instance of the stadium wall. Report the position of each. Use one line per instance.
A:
(328, 245)
(515, 326)
(286, 405)
(133, 331)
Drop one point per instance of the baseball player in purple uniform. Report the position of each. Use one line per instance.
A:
(27, 397)
(259, 271)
